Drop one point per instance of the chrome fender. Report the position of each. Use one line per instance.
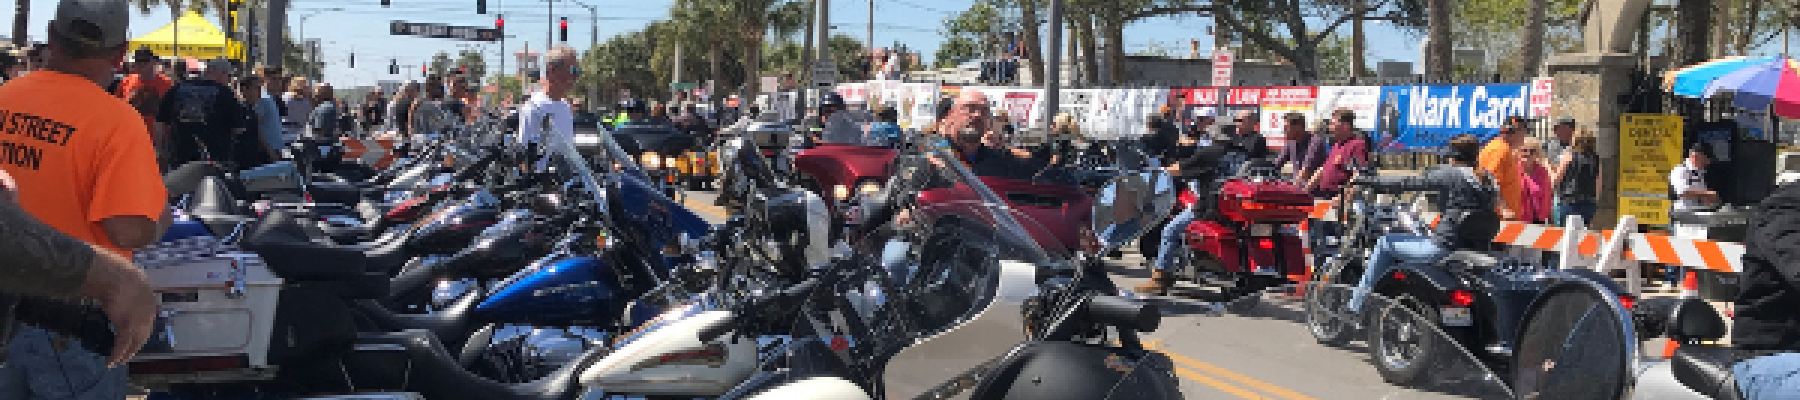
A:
(624, 370)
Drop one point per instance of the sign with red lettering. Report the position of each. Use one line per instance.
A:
(1541, 90)
(1245, 96)
(1221, 66)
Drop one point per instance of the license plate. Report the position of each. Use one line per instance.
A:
(1262, 230)
(1456, 316)
(1266, 271)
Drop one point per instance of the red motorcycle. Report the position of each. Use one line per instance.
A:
(844, 173)
(1251, 243)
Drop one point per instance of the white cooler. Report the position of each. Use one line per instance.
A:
(214, 299)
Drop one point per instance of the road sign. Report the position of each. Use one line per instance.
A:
(1221, 68)
(442, 31)
(824, 73)
(683, 85)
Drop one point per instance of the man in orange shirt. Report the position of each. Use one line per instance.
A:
(1499, 160)
(145, 88)
(84, 164)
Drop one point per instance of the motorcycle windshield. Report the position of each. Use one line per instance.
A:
(852, 127)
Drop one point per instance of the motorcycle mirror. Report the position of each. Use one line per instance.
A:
(1127, 204)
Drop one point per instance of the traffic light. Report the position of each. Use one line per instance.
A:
(565, 29)
(385, 3)
(352, 60)
(481, 6)
(500, 24)
(393, 67)
(231, 13)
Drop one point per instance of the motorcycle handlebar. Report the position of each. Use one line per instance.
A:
(763, 308)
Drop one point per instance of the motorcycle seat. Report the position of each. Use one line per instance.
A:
(312, 261)
(1471, 259)
(1707, 370)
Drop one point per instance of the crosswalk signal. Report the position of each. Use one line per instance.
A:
(481, 6)
(565, 29)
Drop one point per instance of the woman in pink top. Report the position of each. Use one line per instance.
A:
(1537, 187)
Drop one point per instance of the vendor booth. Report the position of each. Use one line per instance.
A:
(190, 36)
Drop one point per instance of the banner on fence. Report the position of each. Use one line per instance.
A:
(1078, 104)
(1194, 102)
(1541, 91)
(1277, 102)
(1427, 116)
(854, 93)
(1363, 100)
(1649, 146)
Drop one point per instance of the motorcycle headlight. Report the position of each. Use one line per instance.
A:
(840, 192)
(652, 160)
(868, 189)
(671, 161)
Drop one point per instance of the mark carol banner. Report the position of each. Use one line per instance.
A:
(1427, 116)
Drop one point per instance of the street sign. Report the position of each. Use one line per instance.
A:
(683, 85)
(442, 31)
(824, 73)
(1221, 68)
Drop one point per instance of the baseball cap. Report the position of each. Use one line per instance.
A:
(99, 23)
(145, 55)
(217, 65)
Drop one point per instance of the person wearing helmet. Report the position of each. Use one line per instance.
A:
(830, 104)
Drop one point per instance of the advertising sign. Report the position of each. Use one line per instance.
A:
(1649, 146)
(1363, 100)
(1221, 66)
(1277, 102)
(1541, 90)
(1428, 116)
(1194, 102)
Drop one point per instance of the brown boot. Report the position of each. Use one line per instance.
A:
(1159, 284)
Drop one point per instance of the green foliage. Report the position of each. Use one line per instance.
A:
(1498, 25)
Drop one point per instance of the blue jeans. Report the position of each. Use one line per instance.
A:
(1171, 239)
(1585, 208)
(1391, 249)
(36, 370)
(1767, 377)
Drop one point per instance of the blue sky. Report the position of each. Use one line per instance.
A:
(362, 28)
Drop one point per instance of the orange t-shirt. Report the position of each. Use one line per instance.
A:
(1497, 158)
(157, 84)
(79, 154)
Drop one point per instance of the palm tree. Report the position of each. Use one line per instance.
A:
(1534, 36)
(1437, 64)
(746, 22)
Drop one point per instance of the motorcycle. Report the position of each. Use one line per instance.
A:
(1507, 314)
(1251, 241)
(1008, 318)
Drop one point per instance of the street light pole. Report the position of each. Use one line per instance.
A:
(1053, 83)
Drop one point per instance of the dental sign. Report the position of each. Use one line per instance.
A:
(1428, 116)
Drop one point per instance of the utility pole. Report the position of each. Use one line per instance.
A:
(275, 32)
(1357, 63)
(1053, 82)
(550, 26)
(676, 76)
(21, 14)
(871, 45)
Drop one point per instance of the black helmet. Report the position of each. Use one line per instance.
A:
(831, 99)
(632, 105)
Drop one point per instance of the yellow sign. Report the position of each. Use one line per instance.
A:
(1649, 146)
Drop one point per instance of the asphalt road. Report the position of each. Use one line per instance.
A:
(1259, 349)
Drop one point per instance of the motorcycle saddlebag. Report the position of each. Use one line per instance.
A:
(1210, 240)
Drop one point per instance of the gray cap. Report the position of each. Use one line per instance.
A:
(99, 23)
(218, 65)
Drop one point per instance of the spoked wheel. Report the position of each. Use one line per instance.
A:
(1327, 317)
(1573, 348)
(1402, 343)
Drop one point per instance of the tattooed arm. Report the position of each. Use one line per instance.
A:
(41, 261)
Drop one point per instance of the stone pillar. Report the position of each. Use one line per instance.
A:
(1588, 86)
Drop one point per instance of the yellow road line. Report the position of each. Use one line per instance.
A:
(1216, 383)
(1156, 345)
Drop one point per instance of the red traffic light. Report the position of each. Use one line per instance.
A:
(500, 22)
(565, 22)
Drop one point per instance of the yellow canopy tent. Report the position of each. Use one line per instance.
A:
(197, 38)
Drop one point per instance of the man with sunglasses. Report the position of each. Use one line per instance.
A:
(547, 112)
